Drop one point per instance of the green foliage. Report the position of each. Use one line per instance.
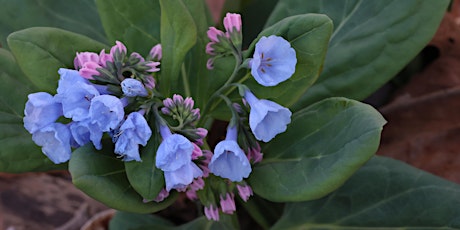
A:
(136, 23)
(131, 221)
(383, 194)
(178, 35)
(102, 176)
(76, 16)
(18, 152)
(330, 141)
(371, 42)
(41, 51)
(135, 221)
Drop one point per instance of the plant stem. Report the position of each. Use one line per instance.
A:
(185, 81)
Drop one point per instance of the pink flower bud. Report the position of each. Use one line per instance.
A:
(189, 103)
(196, 152)
(150, 84)
(153, 66)
(162, 195)
(89, 69)
(211, 212)
(156, 52)
(197, 184)
(138, 56)
(213, 34)
(178, 99)
(191, 195)
(227, 203)
(118, 46)
(210, 63)
(168, 102)
(209, 49)
(165, 111)
(232, 21)
(244, 191)
(202, 132)
(84, 57)
(104, 58)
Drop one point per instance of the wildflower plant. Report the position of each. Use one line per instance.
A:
(132, 119)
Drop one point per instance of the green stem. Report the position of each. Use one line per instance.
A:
(216, 94)
(185, 81)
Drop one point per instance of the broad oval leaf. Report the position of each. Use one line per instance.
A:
(383, 194)
(136, 221)
(371, 42)
(178, 36)
(145, 178)
(309, 36)
(18, 152)
(41, 51)
(322, 147)
(77, 16)
(102, 176)
(135, 23)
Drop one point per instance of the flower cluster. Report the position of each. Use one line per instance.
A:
(116, 96)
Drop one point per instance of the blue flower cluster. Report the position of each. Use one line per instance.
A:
(110, 96)
(92, 112)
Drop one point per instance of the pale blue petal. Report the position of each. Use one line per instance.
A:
(107, 112)
(174, 152)
(182, 177)
(229, 161)
(41, 110)
(132, 88)
(55, 142)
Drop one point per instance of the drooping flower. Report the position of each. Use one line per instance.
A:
(244, 191)
(133, 132)
(132, 88)
(84, 132)
(273, 62)
(174, 158)
(55, 142)
(266, 118)
(211, 212)
(41, 110)
(227, 203)
(107, 112)
(75, 94)
(180, 178)
(229, 160)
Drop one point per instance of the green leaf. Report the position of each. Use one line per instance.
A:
(135, 23)
(203, 82)
(77, 16)
(383, 194)
(135, 221)
(102, 176)
(371, 43)
(322, 147)
(41, 51)
(226, 222)
(18, 152)
(178, 35)
(145, 178)
(309, 35)
(131, 221)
